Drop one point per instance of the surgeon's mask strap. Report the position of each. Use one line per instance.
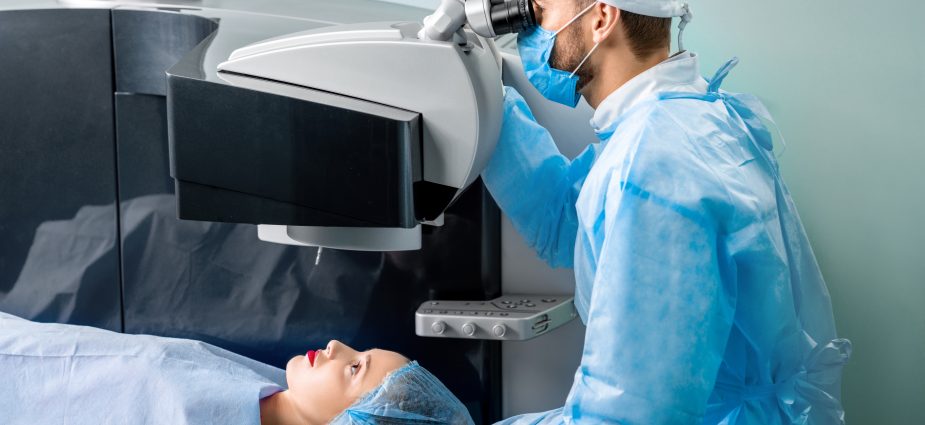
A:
(685, 19)
(585, 10)
(588, 56)
(570, 22)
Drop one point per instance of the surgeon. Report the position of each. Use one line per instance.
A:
(702, 298)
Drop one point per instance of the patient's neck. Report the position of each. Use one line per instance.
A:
(278, 409)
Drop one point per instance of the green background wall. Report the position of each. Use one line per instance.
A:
(846, 83)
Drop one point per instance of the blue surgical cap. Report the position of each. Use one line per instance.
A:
(408, 395)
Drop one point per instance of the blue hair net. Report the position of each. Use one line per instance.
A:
(408, 395)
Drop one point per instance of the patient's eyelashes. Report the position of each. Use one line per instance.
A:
(354, 368)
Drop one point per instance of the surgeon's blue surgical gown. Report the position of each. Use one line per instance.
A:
(701, 295)
(63, 374)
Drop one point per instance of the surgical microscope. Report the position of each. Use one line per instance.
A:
(416, 107)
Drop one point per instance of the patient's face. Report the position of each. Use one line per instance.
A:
(338, 377)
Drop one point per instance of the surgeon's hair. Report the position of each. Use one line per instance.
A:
(646, 35)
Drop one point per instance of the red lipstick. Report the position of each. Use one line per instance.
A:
(311, 356)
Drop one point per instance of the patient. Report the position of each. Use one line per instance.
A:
(55, 374)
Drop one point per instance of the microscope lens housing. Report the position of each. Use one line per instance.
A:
(491, 18)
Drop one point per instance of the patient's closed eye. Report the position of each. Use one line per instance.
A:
(354, 368)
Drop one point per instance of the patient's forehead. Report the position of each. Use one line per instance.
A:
(391, 354)
(388, 360)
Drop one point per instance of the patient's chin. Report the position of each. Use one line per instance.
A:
(293, 365)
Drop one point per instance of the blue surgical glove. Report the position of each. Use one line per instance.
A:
(534, 184)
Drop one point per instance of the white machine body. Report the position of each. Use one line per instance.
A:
(455, 86)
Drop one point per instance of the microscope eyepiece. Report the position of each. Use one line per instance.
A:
(511, 16)
(491, 18)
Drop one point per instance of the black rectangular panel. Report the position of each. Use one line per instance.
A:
(353, 168)
(58, 260)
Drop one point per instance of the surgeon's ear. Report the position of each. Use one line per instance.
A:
(604, 21)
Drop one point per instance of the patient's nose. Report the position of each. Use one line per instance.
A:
(334, 348)
(337, 348)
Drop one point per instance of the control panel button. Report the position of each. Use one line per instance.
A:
(530, 305)
(469, 328)
(498, 330)
(438, 327)
(549, 300)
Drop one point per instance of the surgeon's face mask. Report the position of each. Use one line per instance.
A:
(535, 47)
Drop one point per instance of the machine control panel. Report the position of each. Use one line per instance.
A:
(510, 317)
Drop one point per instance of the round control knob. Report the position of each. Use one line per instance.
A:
(499, 330)
(438, 327)
(469, 328)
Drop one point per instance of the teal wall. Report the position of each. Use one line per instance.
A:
(846, 83)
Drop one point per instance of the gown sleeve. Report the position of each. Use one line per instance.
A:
(534, 184)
